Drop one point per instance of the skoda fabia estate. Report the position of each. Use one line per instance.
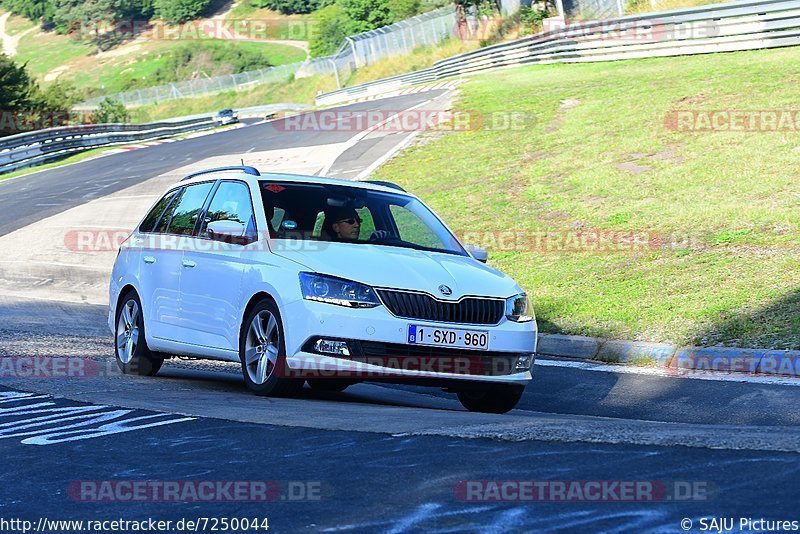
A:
(330, 282)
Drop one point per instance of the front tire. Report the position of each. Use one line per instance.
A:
(262, 351)
(133, 355)
(493, 399)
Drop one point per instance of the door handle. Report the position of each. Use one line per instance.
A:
(149, 259)
(189, 263)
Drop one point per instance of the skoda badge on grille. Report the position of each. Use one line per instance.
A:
(446, 291)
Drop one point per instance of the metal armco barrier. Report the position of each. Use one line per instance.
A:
(728, 27)
(25, 150)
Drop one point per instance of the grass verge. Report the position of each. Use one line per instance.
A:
(717, 211)
(420, 58)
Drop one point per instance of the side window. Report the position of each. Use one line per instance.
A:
(155, 214)
(188, 207)
(413, 229)
(232, 205)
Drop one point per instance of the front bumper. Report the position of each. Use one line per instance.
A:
(379, 350)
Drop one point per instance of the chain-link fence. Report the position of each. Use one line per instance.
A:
(402, 37)
(356, 51)
(198, 87)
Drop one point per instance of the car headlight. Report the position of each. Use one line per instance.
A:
(337, 291)
(517, 309)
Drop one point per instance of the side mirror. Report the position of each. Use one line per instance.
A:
(228, 231)
(479, 253)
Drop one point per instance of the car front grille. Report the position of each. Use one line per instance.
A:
(470, 310)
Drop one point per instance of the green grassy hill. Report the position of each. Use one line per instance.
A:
(138, 63)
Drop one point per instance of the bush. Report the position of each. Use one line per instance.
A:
(111, 110)
(177, 11)
(290, 7)
(60, 96)
(214, 59)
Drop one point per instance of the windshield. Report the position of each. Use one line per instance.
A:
(322, 212)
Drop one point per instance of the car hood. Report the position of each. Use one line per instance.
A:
(403, 268)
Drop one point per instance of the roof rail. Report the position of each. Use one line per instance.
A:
(244, 168)
(385, 184)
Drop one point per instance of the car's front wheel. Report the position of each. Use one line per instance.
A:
(130, 347)
(492, 399)
(262, 352)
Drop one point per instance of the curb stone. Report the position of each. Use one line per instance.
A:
(763, 362)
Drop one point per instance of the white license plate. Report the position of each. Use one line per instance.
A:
(448, 337)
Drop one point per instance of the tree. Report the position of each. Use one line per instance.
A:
(18, 91)
(111, 110)
(178, 11)
(289, 7)
(403, 9)
(37, 10)
(367, 14)
(330, 29)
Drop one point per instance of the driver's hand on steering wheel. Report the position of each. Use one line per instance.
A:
(379, 235)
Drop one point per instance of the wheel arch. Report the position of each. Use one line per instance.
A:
(255, 299)
(123, 292)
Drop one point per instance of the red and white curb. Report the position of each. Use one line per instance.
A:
(156, 142)
(138, 146)
(410, 91)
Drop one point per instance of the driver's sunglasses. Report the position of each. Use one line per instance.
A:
(350, 221)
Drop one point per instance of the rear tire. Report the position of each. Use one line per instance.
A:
(262, 351)
(133, 355)
(493, 399)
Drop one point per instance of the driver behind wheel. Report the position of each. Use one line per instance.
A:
(345, 224)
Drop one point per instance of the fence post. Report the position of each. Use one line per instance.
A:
(336, 73)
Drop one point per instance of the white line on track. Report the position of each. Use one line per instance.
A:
(353, 141)
(386, 157)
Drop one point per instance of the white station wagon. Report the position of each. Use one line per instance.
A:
(329, 282)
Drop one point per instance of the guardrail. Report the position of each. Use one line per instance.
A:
(28, 149)
(728, 27)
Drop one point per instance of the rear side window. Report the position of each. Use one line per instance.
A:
(188, 208)
(158, 210)
(166, 217)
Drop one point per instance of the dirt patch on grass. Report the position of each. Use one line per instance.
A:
(693, 99)
(563, 106)
(632, 167)
(637, 163)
